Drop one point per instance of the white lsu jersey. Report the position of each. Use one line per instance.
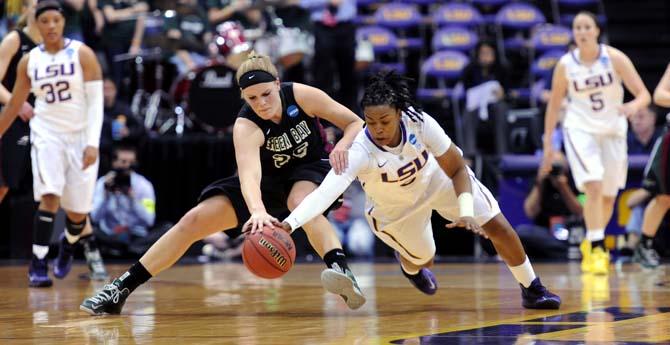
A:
(405, 178)
(57, 80)
(595, 94)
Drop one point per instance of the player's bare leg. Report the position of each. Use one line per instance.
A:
(506, 241)
(212, 215)
(337, 278)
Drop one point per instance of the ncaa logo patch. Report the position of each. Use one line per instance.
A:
(292, 111)
(69, 52)
(604, 60)
(412, 139)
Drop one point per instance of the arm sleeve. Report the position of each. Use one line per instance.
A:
(330, 189)
(436, 139)
(94, 105)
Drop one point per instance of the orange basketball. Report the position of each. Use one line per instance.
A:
(268, 254)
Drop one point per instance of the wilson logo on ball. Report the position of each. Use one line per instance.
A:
(276, 255)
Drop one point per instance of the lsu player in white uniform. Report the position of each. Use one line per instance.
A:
(409, 167)
(595, 128)
(66, 79)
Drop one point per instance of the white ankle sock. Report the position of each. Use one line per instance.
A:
(595, 235)
(523, 273)
(71, 239)
(40, 251)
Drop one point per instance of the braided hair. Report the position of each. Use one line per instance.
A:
(390, 88)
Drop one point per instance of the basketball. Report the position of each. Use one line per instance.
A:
(268, 254)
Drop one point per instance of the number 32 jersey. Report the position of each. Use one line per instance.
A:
(57, 81)
(595, 94)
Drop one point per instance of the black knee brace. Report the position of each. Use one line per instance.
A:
(74, 229)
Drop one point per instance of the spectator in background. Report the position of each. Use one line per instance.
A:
(642, 134)
(335, 48)
(123, 205)
(553, 206)
(73, 10)
(219, 11)
(123, 31)
(485, 80)
(119, 125)
(189, 30)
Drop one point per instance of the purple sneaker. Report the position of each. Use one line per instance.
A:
(536, 296)
(424, 281)
(38, 273)
(63, 263)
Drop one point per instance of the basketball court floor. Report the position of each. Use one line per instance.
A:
(225, 304)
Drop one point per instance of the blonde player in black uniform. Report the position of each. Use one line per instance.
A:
(595, 127)
(65, 77)
(15, 153)
(280, 158)
(409, 167)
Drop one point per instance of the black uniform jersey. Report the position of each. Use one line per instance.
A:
(15, 143)
(296, 140)
(25, 45)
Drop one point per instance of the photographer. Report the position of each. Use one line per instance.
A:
(123, 205)
(553, 207)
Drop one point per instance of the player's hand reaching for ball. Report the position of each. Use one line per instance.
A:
(90, 156)
(285, 226)
(258, 220)
(468, 223)
(339, 158)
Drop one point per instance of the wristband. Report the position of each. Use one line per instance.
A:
(466, 204)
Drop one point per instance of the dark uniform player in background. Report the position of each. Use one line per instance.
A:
(280, 159)
(15, 144)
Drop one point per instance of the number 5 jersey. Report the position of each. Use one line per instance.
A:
(595, 94)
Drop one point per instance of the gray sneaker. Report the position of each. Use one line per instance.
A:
(95, 264)
(646, 257)
(343, 283)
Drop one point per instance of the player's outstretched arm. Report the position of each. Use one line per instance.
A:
(330, 189)
(19, 95)
(317, 103)
(631, 79)
(454, 166)
(662, 92)
(248, 138)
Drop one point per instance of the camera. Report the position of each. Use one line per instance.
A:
(120, 182)
(556, 169)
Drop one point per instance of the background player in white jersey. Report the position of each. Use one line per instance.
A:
(66, 78)
(409, 167)
(595, 127)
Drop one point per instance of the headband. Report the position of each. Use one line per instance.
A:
(254, 77)
(47, 5)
